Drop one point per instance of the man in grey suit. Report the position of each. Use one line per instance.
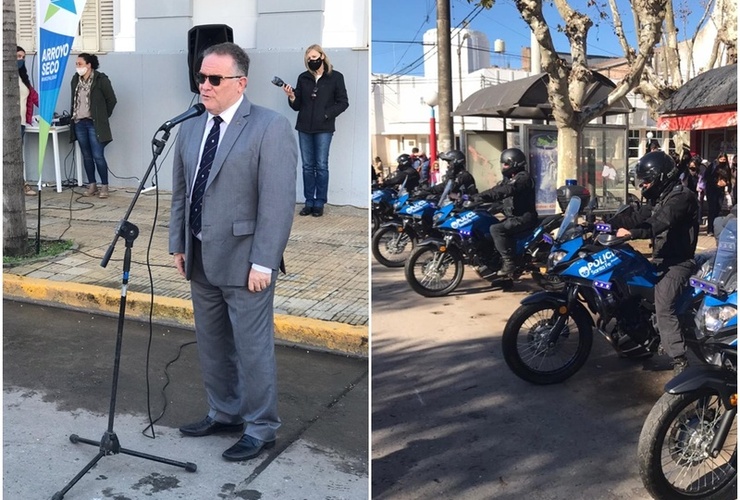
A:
(233, 201)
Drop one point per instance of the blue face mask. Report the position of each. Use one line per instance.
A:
(21, 63)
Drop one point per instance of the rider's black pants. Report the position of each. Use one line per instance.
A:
(503, 232)
(667, 291)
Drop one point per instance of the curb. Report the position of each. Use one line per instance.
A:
(327, 335)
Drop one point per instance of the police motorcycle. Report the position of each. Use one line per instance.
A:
(383, 200)
(396, 238)
(549, 336)
(688, 444)
(436, 266)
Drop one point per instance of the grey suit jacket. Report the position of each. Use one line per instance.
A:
(249, 201)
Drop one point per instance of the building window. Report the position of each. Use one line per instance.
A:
(634, 143)
(94, 34)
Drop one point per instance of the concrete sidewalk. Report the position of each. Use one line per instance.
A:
(322, 301)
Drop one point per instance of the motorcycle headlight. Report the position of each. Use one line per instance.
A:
(554, 258)
(710, 319)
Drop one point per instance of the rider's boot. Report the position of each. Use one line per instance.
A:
(507, 266)
(680, 363)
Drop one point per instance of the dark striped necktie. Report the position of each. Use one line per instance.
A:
(201, 179)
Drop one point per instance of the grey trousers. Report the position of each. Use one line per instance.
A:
(235, 333)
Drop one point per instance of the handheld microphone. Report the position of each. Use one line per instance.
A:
(196, 110)
(278, 81)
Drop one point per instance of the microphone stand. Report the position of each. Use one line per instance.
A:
(109, 444)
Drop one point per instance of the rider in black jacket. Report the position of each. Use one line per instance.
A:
(673, 225)
(517, 191)
(405, 173)
(462, 180)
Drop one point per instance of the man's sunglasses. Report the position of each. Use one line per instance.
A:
(214, 80)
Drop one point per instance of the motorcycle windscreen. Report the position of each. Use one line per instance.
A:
(570, 218)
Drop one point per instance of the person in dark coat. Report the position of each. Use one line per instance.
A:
(93, 101)
(517, 191)
(319, 97)
(462, 180)
(673, 225)
(713, 191)
(405, 175)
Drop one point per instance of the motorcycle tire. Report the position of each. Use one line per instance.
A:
(375, 223)
(670, 452)
(427, 267)
(528, 328)
(392, 248)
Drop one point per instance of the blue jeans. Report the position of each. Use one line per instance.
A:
(92, 151)
(315, 155)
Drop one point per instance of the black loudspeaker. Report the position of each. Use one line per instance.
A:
(199, 39)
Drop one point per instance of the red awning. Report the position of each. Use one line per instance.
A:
(698, 122)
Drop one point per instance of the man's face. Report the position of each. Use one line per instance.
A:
(20, 55)
(217, 98)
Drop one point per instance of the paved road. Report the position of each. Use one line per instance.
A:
(56, 382)
(450, 420)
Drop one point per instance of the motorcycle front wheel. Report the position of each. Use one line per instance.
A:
(392, 247)
(528, 351)
(432, 273)
(672, 453)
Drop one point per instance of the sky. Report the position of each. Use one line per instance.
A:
(399, 25)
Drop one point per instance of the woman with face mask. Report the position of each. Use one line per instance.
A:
(93, 101)
(319, 97)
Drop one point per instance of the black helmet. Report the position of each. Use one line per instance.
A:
(657, 169)
(513, 161)
(455, 162)
(404, 161)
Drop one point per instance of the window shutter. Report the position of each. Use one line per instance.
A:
(107, 27)
(87, 33)
(25, 19)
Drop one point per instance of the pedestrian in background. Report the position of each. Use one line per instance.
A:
(714, 192)
(319, 97)
(29, 98)
(93, 101)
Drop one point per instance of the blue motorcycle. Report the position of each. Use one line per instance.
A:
(435, 268)
(396, 238)
(383, 200)
(688, 444)
(549, 337)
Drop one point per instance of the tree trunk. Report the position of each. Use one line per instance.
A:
(15, 233)
(567, 153)
(444, 76)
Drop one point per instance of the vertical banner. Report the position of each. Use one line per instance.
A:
(58, 21)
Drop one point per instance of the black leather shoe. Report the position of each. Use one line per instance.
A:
(247, 447)
(305, 211)
(318, 212)
(208, 426)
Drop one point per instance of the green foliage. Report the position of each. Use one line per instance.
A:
(48, 248)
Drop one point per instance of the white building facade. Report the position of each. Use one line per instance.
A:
(143, 47)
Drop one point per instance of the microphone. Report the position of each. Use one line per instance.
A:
(196, 110)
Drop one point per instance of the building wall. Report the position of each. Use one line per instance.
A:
(152, 83)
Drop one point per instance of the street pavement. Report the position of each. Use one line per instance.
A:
(59, 331)
(58, 368)
(322, 301)
(450, 420)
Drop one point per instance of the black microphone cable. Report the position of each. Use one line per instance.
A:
(152, 421)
